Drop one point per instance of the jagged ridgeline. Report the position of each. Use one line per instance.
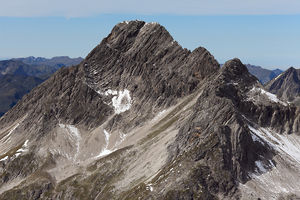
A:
(143, 118)
(287, 85)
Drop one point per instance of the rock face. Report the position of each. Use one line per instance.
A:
(287, 86)
(143, 118)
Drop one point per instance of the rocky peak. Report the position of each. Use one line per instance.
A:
(124, 35)
(294, 74)
(144, 59)
(291, 69)
(286, 85)
(235, 74)
(235, 66)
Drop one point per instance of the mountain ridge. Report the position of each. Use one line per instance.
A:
(287, 85)
(57, 61)
(143, 118)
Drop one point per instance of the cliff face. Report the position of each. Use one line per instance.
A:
(143, 118)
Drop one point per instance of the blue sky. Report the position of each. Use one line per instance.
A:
(264, 36)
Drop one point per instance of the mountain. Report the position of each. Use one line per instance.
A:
(143, 118)
(16, 67)
(263, 75)
(287, 85)
(57, 61)
(13, 88)
(18, 78)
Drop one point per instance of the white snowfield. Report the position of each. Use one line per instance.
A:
(288, 145)
(278, 76)
(270, 96)
(5, 158)
(106, 151)
(121, 100)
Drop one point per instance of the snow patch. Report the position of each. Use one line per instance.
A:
(3, 159)
(25, 145)
(282, 178)
(149, 187)
(278, 76)
(255, 138)
(260, 166)
(121, 100)
(107, 135)
(270, 96)
(17, 154)
(105, 151)
(7, 137)
(110, 92)
(22, 149)
(288, 145)
(122, 137)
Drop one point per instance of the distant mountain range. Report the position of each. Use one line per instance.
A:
(17, 67)
(58, 61)
(18, 76)
(13, 88)
(263, 75)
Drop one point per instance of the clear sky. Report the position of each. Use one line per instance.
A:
(265, 32)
